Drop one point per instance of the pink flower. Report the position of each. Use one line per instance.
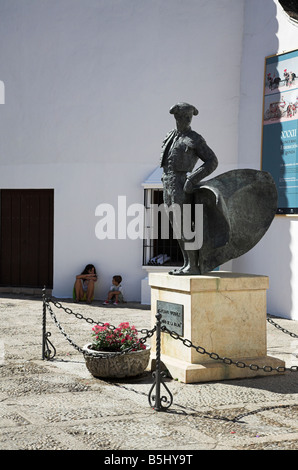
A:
(120, 338)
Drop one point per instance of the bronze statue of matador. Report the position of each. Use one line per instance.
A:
(239, 205)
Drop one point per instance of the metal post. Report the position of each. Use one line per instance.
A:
(157, 365)
(156, 400)
(44, 313)
(47, 352)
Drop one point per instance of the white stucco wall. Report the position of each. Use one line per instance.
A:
(88, 86)
(267, 31)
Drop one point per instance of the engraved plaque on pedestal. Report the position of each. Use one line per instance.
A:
(171, 316)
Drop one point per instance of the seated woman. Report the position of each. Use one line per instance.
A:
(84, 285)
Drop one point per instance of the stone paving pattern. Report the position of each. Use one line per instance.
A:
(58, 405)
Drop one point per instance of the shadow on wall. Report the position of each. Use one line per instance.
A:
(272, 256)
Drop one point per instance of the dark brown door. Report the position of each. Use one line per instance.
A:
(26, 242)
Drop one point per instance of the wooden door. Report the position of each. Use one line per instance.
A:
(26, 237)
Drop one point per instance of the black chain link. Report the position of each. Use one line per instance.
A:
(226, 360)
(284, 330)
(81, 317)
(186, 342)
(148, 333)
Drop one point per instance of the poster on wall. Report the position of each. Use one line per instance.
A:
(280, 128)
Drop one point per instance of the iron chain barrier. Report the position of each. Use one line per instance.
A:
(47, 353)
(226, 360)
(156, 401)
(284, 330)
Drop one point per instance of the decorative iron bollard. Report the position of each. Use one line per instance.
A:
(47, 352)
(156, 401)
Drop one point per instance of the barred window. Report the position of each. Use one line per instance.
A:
(159, 250)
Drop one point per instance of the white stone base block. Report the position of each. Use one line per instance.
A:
(224, 313)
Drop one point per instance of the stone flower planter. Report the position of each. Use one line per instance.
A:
(117, 366)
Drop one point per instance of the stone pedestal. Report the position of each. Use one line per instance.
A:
(224, 313)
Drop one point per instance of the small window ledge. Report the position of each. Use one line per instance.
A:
(154, 269)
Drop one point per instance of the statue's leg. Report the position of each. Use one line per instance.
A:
(177, 204)
(187, 244)
(193, 263)
(185, 260)
(173, 212)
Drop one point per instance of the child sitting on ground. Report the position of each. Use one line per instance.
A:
(115, 293)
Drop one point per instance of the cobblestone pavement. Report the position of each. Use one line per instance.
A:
(58, 405)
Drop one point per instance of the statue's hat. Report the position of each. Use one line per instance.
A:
(183, 107)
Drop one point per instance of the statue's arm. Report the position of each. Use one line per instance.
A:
(210, 164)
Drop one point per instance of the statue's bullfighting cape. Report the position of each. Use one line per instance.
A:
(239, 206)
